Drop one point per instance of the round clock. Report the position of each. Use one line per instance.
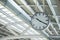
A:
(40, 21)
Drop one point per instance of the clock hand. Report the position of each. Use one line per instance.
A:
(40, 21)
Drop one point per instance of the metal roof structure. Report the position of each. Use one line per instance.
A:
(15, 19)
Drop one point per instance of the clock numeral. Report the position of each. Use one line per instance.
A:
(41, 27)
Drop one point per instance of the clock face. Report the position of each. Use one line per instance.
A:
(40, 21)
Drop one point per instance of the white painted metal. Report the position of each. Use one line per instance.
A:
(54, 29)
(12, 31)
(49, 31)
(28, 7)
(37, 4)
(19, 8)
(28, 17)
(45, 33)
(54, 13)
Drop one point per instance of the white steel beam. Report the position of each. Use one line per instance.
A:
(38, 5)
(55, 23)
(52, 5)
(19, 9)
(23, 36)
(54, 36)
(49, 31)
(11, 23)
(53, 11)
(45, 33)
(54, 29)
(29, 8)
(47, 27)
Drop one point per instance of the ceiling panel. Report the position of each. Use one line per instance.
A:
(17, 26)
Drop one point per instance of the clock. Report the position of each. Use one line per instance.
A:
(40, 21)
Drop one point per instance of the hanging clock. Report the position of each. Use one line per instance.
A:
(40, 21)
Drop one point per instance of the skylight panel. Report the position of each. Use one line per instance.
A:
(31, 32)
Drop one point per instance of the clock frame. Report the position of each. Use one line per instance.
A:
(40, 21)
